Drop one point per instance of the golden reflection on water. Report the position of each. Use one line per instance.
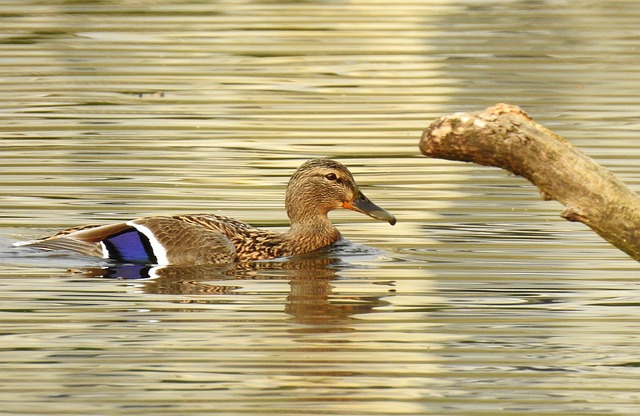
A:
(479, 301)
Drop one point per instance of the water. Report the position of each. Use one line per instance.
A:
(480, 301)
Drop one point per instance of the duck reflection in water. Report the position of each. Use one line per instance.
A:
(311, 299)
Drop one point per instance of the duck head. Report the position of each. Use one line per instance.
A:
(322, 185)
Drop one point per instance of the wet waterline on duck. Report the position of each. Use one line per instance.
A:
(480, 300)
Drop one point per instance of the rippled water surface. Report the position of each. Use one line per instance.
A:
(480, 301)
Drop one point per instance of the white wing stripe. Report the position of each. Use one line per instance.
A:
(158, 249)
(105, 251)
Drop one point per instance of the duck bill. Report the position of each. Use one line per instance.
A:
(362, 204)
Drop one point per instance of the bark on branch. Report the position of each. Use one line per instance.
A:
(505, 136)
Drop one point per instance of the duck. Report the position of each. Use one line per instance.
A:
(317, 187)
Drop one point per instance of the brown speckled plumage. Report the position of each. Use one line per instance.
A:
(317, 187)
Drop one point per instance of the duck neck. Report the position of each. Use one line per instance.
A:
(307, 236)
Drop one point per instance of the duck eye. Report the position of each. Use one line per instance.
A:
(331, 176)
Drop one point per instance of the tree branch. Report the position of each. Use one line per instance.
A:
(506, 137)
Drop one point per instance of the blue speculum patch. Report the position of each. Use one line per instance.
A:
(130, 246)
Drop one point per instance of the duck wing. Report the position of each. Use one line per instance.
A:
(157, 240)
(180, 242)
